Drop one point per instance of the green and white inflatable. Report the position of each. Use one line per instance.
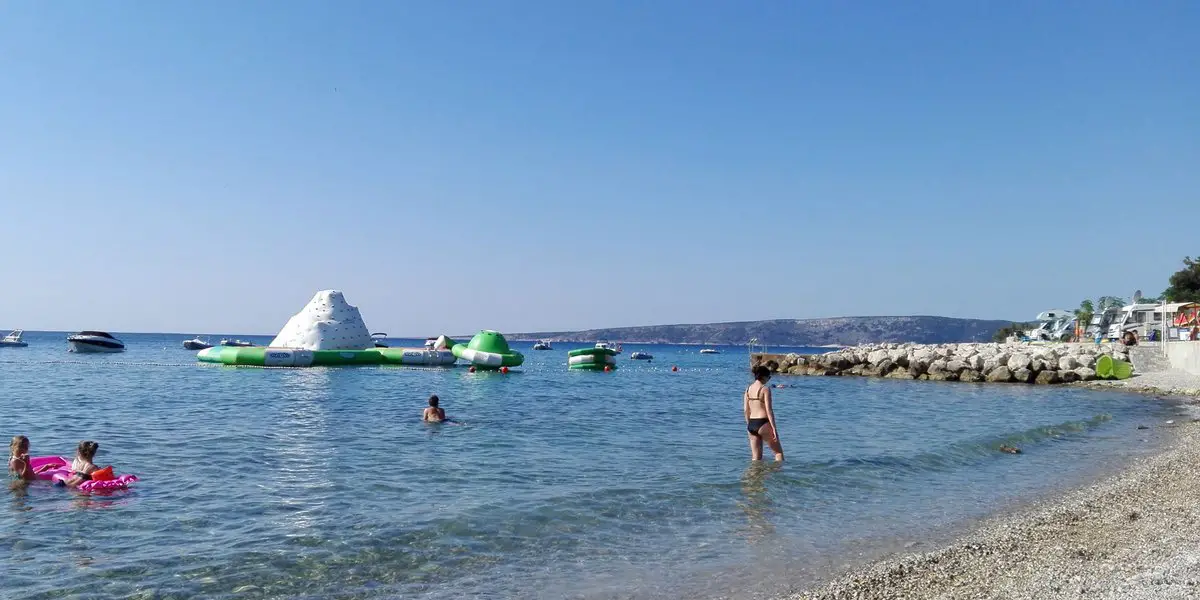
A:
(328, 332)
(595, 359)
(488, 350)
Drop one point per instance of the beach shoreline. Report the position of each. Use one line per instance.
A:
(1131, 534)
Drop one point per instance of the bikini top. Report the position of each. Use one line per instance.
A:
(759, 397)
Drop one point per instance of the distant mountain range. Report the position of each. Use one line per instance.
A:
(842, 331)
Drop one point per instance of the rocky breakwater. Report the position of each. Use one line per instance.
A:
(973, 363)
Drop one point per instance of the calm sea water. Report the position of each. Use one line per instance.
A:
(322, 483)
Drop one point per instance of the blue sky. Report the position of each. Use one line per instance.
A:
(183, 166)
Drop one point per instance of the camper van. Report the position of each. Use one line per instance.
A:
(1101, 322)
(1143, 319)
(1056, 326)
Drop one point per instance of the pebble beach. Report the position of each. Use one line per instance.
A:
(1132, 535)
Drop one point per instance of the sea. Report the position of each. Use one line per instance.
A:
(551, 483)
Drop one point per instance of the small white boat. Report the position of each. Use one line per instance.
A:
(607, 346)
(237, 343)
(378, 339)
(13, 340)
(542, 345)
(93, 341)
(709, 351)
(641, 356)
(196, 344)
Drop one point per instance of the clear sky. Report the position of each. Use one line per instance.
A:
(526, 165)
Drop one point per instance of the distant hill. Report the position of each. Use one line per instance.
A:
(843, 331)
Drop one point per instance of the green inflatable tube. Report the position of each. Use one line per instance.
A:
(290, 357)
(488, 350)
(1104, 367)
(595, 359)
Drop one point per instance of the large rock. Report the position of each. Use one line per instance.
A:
(1000, 375)
(1023, 375)
(970, 376)
(942, 375)
(328, 322)
(1085, 373)
(1068, 376)
(956, 366)
(1017, 362)
(1047, 377)
(903, 373)
(877, 356)
(975, 362)
(1068, 363)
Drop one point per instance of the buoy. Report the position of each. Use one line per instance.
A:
(674, 369)
(471, 369)
(503, 369)
(607, 369)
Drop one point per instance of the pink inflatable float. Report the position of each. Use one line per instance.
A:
(58, 469)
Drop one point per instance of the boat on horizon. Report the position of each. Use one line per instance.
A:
(13, 339)
(542, 345)
(196, 344)
(94, 341)
(237, 343)
(378, 338)
(616, 348)
(709, 351)
(641, 356)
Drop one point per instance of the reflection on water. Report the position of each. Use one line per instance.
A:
(756, 499)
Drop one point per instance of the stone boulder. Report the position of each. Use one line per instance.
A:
(1047, 378)
(878, 356)
(1017, 362)
(956, 365)
(1085, 373)
(1068, 363)
(1068, 376)
(1000, 375)
(970, 376)
(1023, 375)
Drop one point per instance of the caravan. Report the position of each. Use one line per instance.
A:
(1145, 320)
(1056, 326)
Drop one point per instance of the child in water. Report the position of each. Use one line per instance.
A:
(83, 467)
(18, 459)
(433, 414)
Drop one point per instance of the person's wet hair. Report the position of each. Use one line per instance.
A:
(433, 401)
(19, 445)
(761, 372)
(87, 449)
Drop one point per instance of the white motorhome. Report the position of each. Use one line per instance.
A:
(1101, 322)
(1143, 319)
(1056, 325)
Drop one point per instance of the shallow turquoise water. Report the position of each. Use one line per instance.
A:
(323, 483)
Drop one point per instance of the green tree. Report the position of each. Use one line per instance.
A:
(1017, 329)
(1185, 283)
(1084, 313)
(1106, 302)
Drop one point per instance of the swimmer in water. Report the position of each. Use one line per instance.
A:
(433, 414)
(83, 467)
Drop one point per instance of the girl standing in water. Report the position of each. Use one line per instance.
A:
(760, 415)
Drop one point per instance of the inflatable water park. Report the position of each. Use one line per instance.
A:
(330, 332)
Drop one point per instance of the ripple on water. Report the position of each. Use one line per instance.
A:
(321, 483)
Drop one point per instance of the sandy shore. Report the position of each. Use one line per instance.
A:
(1134, 535)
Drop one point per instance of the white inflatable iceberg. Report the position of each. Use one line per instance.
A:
(328, 322)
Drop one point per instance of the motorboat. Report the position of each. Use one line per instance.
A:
(709, 351)
(94, 341)
(378, 339)
(542, 345)
(616, 348)
(236, 343)
(196, 344)
(641, 356)
(13, 339)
